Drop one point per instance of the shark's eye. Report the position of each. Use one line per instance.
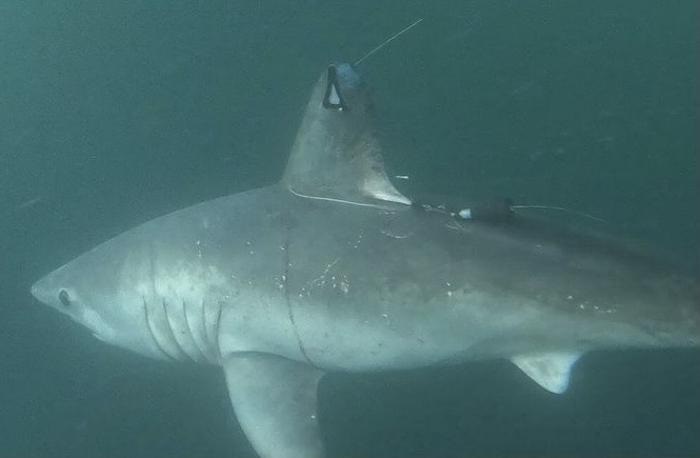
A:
(64, 297)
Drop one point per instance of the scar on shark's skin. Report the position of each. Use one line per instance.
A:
(290, 308)
(321, 279)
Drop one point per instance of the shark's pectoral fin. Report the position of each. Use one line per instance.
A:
(275, 402)
(551, 371)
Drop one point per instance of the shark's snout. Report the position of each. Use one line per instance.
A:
(50, 288)
(46, 291)
(39, 291)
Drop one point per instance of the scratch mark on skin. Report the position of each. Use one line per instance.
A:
(395, 236)
(321, 279)
(456, 226)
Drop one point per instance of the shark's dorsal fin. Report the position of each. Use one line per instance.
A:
(552, 371)
(274, 399)
(336, 155)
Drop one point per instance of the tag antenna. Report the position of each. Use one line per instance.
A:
(561, 209)
(388, 40)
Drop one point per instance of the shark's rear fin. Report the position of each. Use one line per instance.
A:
(275, 402)
(336, 155)
(552, 371)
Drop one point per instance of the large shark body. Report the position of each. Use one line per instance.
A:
(332, 269)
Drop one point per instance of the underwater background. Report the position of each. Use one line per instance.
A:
(115, 112)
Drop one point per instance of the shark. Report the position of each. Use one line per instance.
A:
(333, 269)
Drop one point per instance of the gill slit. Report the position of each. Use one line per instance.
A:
(153, 334)
(172, 333)
(212, 340)
(192, 335)
(205, 326)
(290, 310)
(218, 326)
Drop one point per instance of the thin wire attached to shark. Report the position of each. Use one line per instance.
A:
(561, 209)
(497, 211)
(491, 211)
(387, 41)
(331, 199)
(333, 99)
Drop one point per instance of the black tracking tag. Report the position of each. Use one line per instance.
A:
(333, 99)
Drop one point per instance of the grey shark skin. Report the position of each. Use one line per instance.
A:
(331, 269)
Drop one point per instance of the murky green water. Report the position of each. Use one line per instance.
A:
(112, 113)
